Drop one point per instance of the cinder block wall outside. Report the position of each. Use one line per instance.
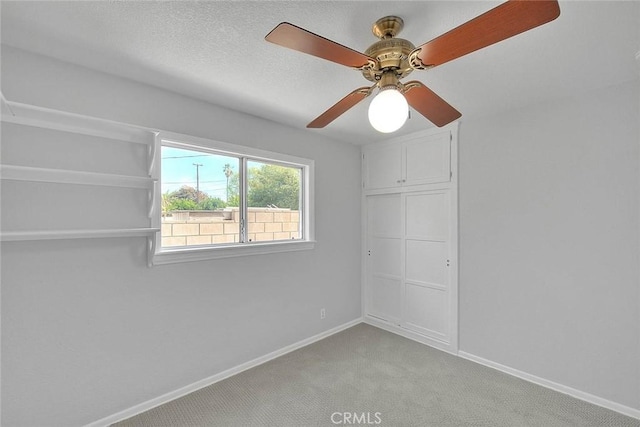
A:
(185, 228)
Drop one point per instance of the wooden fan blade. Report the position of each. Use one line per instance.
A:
(500, 23)
(341, 107)
(430, 105)
(296, 38)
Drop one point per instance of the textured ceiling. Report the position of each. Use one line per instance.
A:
(215, 51)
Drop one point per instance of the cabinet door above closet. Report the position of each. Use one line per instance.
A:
(408, 161)
(382, 166)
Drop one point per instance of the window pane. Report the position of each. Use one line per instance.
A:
(200, 198)
(273, 200)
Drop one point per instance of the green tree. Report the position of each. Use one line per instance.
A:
(188, 199)
(228, 172)
(233, 193)
(182, 205)
(211, 203)
(166, 203)
(272, 185)
(188, 193)
(234, 201)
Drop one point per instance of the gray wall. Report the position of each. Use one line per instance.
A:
(549, 241)
(549, 231)
(88, 330)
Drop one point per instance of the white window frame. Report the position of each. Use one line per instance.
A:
(159, 255)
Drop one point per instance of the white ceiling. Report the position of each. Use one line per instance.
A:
(215, 51)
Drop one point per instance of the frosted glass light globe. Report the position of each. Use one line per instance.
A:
(388, 111)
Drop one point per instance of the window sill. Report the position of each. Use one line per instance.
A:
(191, 254)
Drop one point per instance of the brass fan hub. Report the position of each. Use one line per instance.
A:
(392, 54)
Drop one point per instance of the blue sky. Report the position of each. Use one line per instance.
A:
(178, 169)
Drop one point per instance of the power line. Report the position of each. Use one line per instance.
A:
(192, 182)
(184, 157)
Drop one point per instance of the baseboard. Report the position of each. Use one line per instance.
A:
(590, 398)
(150, 404)
(414, 336)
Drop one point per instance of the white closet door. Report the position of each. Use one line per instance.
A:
(384, 262)
(427, 280)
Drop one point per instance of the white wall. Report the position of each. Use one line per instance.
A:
(549, 236)
(549, 225)
(88, 330)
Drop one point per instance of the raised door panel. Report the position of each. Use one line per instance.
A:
(383, 166)
(426, 311)
(384, 264)
(427, 216)
(427, 276)
(427, 160)
(385, 256)
(383, 215)
(426, 263)
(385, 298)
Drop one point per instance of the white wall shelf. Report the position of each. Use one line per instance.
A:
(63, 176)
(16, 236)
(45, 118)
(30, 115)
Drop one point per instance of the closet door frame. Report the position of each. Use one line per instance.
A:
(452, 185)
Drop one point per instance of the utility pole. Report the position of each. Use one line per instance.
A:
(197, 165)
(227, 172)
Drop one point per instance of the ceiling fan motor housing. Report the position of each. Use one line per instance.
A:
(391, 53)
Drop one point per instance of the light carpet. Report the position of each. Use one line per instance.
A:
(367, 376)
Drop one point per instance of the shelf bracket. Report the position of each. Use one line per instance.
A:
(6, 104)
(151, 248)
(151, 153)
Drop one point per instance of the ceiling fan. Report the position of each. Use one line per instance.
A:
(391, 59)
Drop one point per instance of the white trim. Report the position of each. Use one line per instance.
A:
(203, 253)
(167, 397)
(451, 344)
(160, 256)
(30, 115)
(422, 133)
(454, 246)
(64, 176)
(414, 336)
(16, 236)
(638, 302)
(363, 238)
(191, 142)
(587, 397)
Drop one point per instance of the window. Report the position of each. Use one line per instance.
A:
(219, 200)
